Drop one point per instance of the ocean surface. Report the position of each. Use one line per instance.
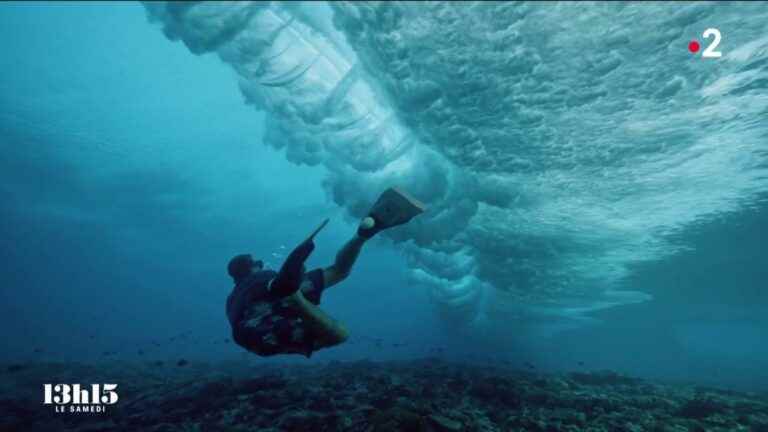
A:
(596, 192)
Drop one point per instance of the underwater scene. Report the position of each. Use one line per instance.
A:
(384, 216)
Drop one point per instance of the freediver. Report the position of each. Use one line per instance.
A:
(277, 312)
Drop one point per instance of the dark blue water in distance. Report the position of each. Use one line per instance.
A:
(596, 191)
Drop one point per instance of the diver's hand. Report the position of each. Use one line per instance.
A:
(307, 246)
(317, 230)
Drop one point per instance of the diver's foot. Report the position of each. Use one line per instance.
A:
(394, 207)
(368, 227)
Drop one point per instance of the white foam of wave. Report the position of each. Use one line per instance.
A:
(556, 145)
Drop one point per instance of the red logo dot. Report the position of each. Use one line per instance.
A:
(693, 46)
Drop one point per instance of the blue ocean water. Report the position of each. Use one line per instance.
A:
(596, 191)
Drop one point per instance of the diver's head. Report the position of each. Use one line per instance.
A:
(242, 265)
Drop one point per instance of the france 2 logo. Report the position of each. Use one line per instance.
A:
(75, 398)
(711, 50)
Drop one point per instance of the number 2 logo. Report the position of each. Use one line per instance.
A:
(710, 51)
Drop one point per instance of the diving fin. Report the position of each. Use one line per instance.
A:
(394, 207)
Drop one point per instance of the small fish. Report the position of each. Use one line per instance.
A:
(38, 350)
(141, 352)
(182, 362)
(15, 368)
(530, 365)
(226, 340)
(580, 363)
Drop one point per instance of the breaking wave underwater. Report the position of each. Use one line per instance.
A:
(556, 145)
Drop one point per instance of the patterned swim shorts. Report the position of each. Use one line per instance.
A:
(277, 327)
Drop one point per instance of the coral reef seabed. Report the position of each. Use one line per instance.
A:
(422, 395)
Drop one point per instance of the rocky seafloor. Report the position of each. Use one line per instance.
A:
(424, 395)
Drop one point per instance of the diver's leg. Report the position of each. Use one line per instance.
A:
(348, 254)
(394, 207)
(345, 259)
(326, 330)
